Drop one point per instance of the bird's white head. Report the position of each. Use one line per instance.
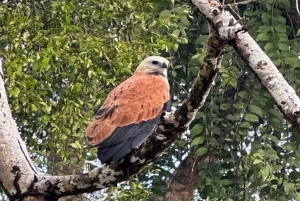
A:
(154, 65)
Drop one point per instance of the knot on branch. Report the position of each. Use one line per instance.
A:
(168, 121)
(224, 23)
(16, 169)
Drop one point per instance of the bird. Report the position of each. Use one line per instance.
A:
(131, 111)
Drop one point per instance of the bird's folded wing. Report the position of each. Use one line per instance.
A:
(140, 98)
(133, 135)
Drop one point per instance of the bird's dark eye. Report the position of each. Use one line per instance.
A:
(155, 62)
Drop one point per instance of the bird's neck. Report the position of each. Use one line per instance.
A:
(157, 73)
(144, 71)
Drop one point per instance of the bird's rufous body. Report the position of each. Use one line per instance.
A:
(131, 111)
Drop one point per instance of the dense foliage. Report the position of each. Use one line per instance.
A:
(62, 57)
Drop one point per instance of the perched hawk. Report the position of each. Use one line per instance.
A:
(131, 111)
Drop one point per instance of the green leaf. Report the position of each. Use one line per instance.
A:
(288, 187)
(197, 141)
(46, 118)
(26, 35)
(281, 37)
(255, 110)
(165, 14)
(281, 28)
(257, 161)
(201, 151)
(196, 130)
(272, 154)
(216, 130)
(289, 146)
(47, 108)
(15, 92)
(226, 182)
(280, 19)
(275, 113)
(33, 107)
(243, 94)
(239, 105)
(263, 37)
(264, 28)
(269, 47)
(274, 139)
(285, 4)
(74, 145)
(152, 24)
(77, 87)
(283, 46)
(251, 118)
(245, 125)
(265, 172)
(176, 32)
(266, 17)
(78, 144)
(201, 40)
(224, 106)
